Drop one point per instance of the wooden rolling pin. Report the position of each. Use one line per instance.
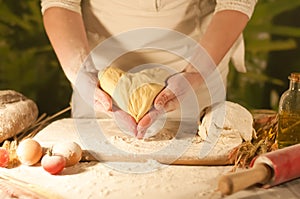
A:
(269, 170)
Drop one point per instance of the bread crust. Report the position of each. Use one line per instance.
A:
(17, 113)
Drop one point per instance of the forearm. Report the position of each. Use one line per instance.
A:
(223, 30)
(67, 35)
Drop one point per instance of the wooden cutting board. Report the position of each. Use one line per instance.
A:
(102, 140)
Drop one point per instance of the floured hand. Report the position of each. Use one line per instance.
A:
(178, 87)
(124, 121)
(103, 103)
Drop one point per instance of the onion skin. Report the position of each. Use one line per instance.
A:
(29, 152)
(53, 164)
(4, 157)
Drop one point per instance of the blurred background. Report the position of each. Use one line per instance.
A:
(29, 65)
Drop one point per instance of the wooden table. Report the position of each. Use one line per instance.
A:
(150, 179)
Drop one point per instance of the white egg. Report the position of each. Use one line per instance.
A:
(70, 150)
(29, 152)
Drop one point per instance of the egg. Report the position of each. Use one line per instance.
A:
(70, 150)
(29, 152)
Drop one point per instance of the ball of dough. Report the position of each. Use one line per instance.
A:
(233, 120)
(133, 92)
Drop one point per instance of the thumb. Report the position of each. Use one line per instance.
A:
(146, 122)
(163, 98)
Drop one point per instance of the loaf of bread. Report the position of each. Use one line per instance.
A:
(17, 112)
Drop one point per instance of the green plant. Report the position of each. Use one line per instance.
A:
(249, 88)
(28, 63)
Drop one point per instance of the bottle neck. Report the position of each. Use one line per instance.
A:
(295, 85)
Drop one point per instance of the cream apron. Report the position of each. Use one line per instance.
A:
(104, 19)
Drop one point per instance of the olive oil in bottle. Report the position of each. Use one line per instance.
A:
(289, 114)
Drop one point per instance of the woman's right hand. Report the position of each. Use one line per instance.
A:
(103, 103)
(102, 100)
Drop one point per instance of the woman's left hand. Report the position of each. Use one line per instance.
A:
(178, 87)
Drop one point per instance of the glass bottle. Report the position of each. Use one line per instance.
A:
(289, 114)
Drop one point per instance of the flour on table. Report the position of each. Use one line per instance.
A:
(235, 125)
(148, 145)
(175, 141)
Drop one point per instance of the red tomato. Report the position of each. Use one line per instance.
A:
(4, 157)
(53, 164)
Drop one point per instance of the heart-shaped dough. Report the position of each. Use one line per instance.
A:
(133, 92)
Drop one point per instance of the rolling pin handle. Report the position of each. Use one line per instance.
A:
(233, 182)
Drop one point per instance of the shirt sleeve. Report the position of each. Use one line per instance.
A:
(244, 6)
(73, 5)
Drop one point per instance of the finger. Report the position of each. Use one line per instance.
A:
(146, 122)
(148, 119)
(125, 122)
(98, 106)
(162, 98)
(102, 98)
(171, 105)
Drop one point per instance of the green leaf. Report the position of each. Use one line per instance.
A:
(266, 45)
(266, 11)
(287, 31)
(263, 78)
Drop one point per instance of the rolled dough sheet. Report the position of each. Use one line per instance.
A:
(102, 140)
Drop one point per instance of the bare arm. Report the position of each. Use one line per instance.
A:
(224, 29)
(67, 35)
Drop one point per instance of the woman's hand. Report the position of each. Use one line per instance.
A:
(103, 103)
(87, 85)
(124, 121)
(102, 100)
(178, 88)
